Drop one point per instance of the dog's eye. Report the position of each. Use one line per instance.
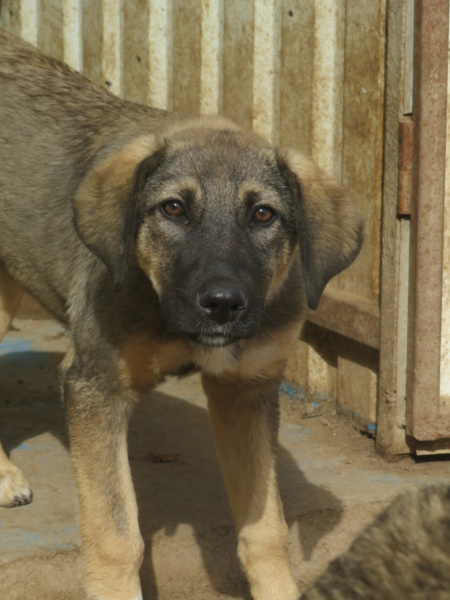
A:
(263, 215)
(173, 208)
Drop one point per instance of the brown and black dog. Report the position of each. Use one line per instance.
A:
(165, 244)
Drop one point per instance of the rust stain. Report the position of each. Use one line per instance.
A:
(405, 154)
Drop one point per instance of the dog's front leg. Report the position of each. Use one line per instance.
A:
(108, 518)
(245, 420)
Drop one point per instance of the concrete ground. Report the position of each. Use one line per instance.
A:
(332, 484)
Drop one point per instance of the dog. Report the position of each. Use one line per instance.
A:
(403, 555)
(165, 244)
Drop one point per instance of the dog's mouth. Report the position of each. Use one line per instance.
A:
(213, 340)
(217, 336)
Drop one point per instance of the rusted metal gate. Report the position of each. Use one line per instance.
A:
(331, 78)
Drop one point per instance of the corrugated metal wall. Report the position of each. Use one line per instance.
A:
(303, 73)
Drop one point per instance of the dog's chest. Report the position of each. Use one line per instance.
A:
(145, 361)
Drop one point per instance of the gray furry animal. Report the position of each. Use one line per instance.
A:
(403, 555)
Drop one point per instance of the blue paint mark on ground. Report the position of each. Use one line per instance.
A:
(14, 540)
(295, 392)
(12, 345)
(25, 446)
(363, 423)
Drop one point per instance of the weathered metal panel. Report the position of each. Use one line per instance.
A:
(266, 68)
(326, 133)
(238, 61)
(363, 133)
(186, 56)
(357, 383)
(113, 45)
(328, 85)
(303, 73)
(135, 50)
(363, 124)
(30, 18)
(72, 33)
(50, 27)
(350, 315)
(10, 16)
(296, 76)
(160, 42)
(92, 31)
(211, 73)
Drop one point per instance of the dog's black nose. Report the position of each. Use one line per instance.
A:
(222, 301)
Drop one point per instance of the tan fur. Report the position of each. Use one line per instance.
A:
(114, 550)
(10, 297)
(147, 361)
(281, 273)
(151, 261)
(245, 433)
(106, 189)
(325, 198)
(97, 194)
(14, 488)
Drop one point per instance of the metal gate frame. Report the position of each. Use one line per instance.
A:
(412, 415)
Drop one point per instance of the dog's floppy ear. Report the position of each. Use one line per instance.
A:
(107, 201)
(329, 228)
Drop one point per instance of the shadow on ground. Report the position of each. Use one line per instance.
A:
(178, 484)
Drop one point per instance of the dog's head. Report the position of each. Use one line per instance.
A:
(219, 221)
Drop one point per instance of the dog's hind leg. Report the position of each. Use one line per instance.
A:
(14, 488)
(10, 297)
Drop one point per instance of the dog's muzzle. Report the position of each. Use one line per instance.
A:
(222, 301)
(221, 304)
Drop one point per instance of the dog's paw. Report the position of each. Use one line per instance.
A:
(14, 489)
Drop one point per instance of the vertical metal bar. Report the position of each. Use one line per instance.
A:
(408, 58)
(326, 128)
(328, 83)
(445, 325)
(30, 14)
(211, 78)
(113, 45)
(72, 33)
(427, 217)
(266, 68)
(160, 38)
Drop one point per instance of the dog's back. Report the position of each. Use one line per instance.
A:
(54, 121)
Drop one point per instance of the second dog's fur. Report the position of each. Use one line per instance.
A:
(403, 555)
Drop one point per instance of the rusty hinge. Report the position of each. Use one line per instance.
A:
(405, 150)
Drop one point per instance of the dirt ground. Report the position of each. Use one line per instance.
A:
(331, 480)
